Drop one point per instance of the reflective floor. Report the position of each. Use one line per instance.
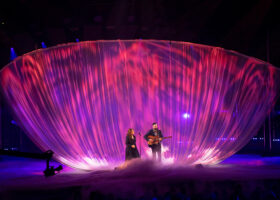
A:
(25, 174)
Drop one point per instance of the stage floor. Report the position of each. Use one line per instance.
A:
(25, 174)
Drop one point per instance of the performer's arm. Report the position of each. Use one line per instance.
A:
(160, 135)
(133, 144)
(127, 141)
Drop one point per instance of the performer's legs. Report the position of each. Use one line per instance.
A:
(154, 151)
(159, 153)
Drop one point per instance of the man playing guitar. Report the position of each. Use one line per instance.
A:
(154, 137)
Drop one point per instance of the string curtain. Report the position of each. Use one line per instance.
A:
(79, 99)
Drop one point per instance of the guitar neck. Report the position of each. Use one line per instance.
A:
(167, 137)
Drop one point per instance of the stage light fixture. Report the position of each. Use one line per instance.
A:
(186, 115)
(13, 54)
(50, 171)
(43, 45)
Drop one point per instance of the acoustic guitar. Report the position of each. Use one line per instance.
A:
(155, 139)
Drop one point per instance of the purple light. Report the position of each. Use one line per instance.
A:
(13, 122)
(43, 45)
(13, 54)
(79, 99)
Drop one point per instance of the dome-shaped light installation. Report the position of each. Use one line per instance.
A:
(79, 99)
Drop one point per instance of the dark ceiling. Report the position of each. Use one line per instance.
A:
(250, 27)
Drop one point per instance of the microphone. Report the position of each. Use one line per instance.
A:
(139, 133)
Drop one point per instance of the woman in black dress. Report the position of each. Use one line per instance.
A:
(131, 150)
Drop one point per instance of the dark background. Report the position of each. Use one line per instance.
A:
(250, 27)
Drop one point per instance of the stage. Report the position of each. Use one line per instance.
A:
(242, 176)
(89, 83)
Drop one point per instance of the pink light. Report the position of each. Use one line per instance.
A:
(79, 99)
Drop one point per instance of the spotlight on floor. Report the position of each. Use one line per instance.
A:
(50, 171)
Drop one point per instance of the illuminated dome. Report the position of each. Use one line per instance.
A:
(79, 99)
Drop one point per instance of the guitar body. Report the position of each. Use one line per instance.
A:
(155, 140)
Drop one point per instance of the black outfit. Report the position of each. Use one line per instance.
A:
(156, 148)
(130, 152)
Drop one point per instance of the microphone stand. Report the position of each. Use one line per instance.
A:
(140, 145)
